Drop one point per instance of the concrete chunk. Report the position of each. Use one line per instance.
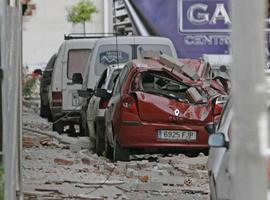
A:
(178, 66)
(193, 95)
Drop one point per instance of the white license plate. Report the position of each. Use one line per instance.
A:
(176, 135)
(76, 100)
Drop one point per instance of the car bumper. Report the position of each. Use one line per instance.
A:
(144, 134)
(56, 112)
(67, 116)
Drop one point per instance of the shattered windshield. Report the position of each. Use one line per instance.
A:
(162, 84)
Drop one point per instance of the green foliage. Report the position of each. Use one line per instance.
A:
(28, 87)
(81, 12)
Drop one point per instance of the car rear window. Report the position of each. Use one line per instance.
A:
(107, 55)
(161, 49)
(161, 83)
(77, 59)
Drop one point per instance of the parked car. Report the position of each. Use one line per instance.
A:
(220, 176)
(63, 97)
(159, 103)
(218, 160)
(112, 50)
(97, 105)
(45, 82)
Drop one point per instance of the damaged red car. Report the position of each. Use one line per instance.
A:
(161, 104)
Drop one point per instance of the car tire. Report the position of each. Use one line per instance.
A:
(192, 154)
(58, 127)
(71, 131)
(108, 149)
(100, 143)
(44, 111)
(206, 152)
(50, 118)
(83, 129)
(119, 153)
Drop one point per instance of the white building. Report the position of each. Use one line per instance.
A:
(43, 32)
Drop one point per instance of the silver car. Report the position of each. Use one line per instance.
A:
(218, 160)
(97, 105)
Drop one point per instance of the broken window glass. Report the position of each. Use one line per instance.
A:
(160, 83)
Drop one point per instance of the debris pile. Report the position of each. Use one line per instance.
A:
(60, 167)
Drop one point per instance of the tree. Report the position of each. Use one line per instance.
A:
(81, 12)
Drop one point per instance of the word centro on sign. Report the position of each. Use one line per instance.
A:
(210, 40)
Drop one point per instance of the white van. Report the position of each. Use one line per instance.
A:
(118, 49)
(72, 57)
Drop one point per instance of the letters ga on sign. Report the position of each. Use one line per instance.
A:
(204, 16)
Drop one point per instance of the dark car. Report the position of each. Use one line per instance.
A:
(45, 82)
(160, 103)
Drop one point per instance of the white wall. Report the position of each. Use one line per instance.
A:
(44, 31)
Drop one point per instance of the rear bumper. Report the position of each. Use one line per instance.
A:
(144, 135)
(56, 112)
(73, 116)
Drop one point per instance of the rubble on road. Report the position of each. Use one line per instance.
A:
(59, 167)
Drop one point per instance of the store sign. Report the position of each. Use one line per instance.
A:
(196, 27)
(203, 16)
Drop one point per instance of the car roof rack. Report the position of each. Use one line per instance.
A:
(71, 36)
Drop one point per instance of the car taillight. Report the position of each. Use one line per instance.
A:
(218, 109)
(129, 104)
(103, 103)
(57, 98)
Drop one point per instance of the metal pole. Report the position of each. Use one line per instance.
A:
(11, 64)
(19, 133)
(249, 127)
(2, 53)
(105, 16)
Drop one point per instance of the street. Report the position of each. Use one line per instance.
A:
(61, 167)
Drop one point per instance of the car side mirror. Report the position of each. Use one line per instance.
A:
(77, 78)
(102, 93)
(210, 128)
(85, 93)
(217, 140)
